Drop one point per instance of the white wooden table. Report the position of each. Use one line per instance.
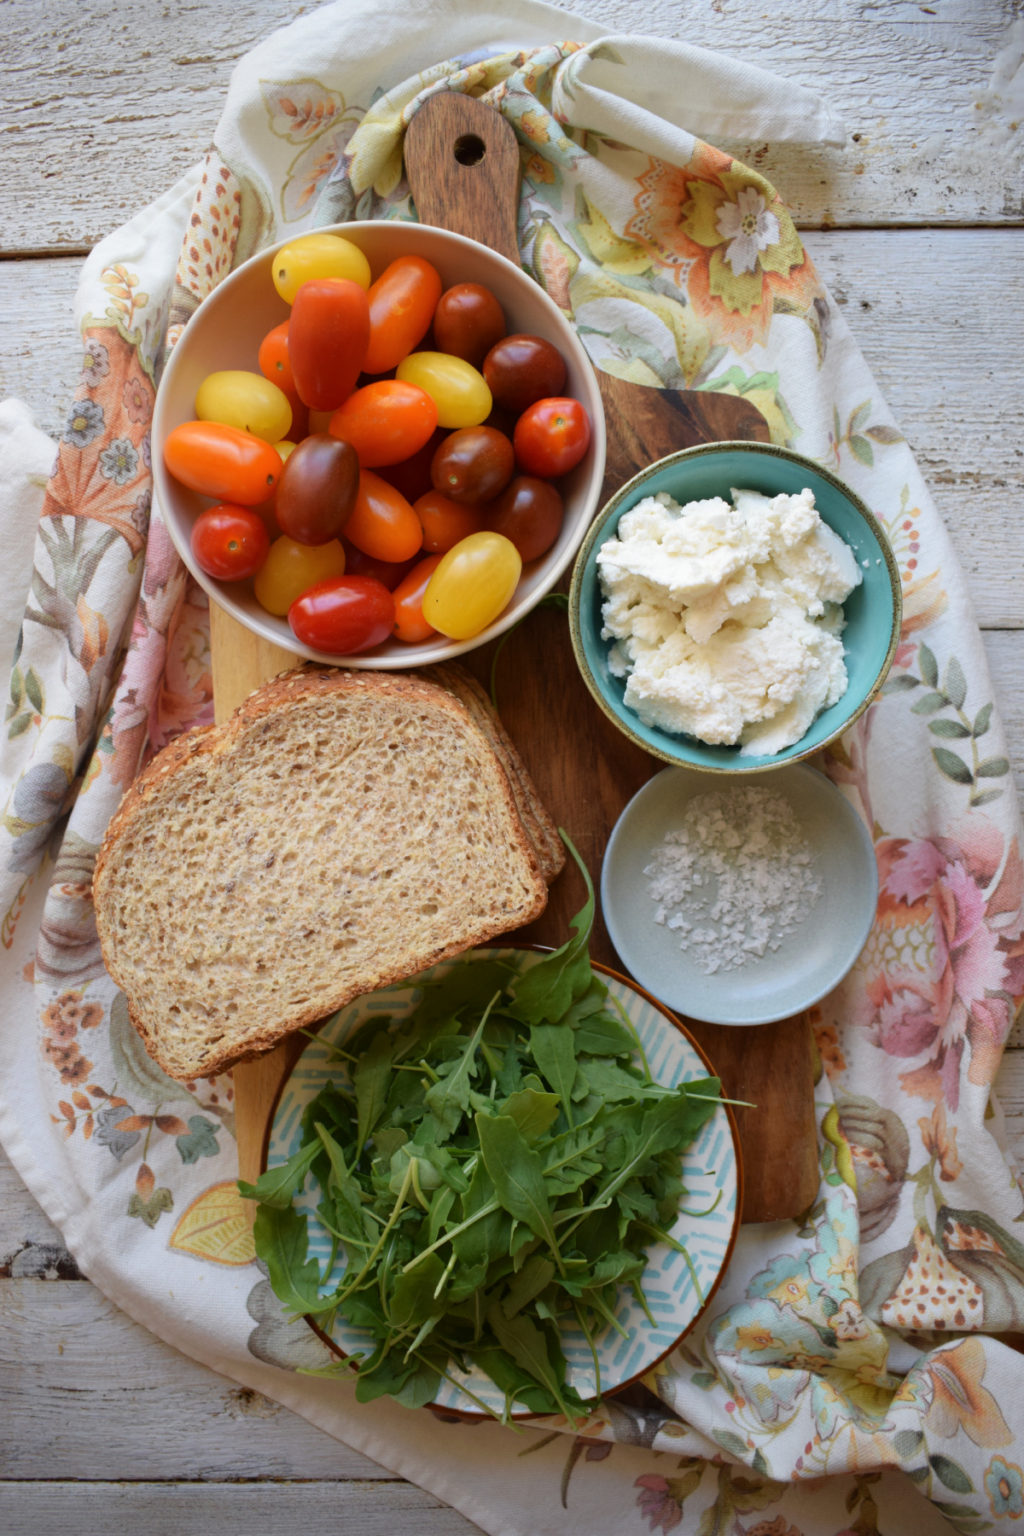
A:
(915, 223)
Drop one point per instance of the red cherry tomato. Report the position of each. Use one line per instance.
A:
(468, 321)
(343, 615)
(402, 303)
(551, 436)
(317, 489)
(386, 421)
(223, 462)
(328, 334)
(410, 625)
(229, 542)
(383, 524)
(529, 512)
(445, 522)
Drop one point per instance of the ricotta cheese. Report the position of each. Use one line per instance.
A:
(726, 617)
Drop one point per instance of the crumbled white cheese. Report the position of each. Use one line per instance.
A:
(734, 878)
(726, 617)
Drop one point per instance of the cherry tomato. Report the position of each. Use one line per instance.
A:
(343, 615)
(383, 524)
(551, 436)
(472, 585)
(410, 625)
(318, 255)
(327, 338)
(229, 542)
(292, 568)
(458, 389)
(444, 522)
(412, 475)
(529, 512)
(386, 421)
(246, 400)
(222, 462)
(468, 321)
(389, 572)
(317, 489)
(473, 464)
(402, 301)
(274, 362)
(521, 369)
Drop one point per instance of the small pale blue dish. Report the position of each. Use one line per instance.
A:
(873, 610)
(813, 956)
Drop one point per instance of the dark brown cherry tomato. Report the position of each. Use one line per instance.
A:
(473, 464)
(528, 512)
(468, 321)
(229, 542)
(551, 437)
(410, 625)
(388, 572)
(328, 334)
(444, 521)
(521, 369)
(412, 475)
(317, 489)
(343, 615)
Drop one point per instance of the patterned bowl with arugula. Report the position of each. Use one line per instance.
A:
(681, 1266)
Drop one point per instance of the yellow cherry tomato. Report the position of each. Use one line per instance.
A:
(292, 568)
(458, 389)
(472, 585)
(314, 256)
(237, 398)
(284, 448)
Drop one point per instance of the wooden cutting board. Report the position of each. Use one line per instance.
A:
(462, 161)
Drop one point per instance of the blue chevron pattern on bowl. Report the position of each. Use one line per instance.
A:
(676, 1291)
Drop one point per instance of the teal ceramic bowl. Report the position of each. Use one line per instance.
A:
(873, 610)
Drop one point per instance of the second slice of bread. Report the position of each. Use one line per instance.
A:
(342, 831)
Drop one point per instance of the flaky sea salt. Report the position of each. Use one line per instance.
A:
(734, 878)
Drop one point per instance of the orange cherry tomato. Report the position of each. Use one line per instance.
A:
(444, 521)
(410, 626)
(223, 462)
(327, 338)
(386, 421)
(273, 360)
(402, 304)
(382, 523)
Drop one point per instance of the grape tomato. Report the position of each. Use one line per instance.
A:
(410, 626)
(386, 421)
(472, 585)
(468, 321)
(239, 398)
(444, 522)
(530, 512)
(223, 462)
(520, 369)
(388, 572)
(383, 524)
(473, 464)
(328, 335)
(343, 615)
(456, 387)
(318, 255)
(292, 568)
(317, 489)
(229, 542)
(402, 303)
(551, 437)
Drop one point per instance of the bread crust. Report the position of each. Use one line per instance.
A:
(289, 691)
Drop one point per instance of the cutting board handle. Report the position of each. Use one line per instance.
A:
(462, 162)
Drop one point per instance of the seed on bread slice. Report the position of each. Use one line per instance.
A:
(342, 831)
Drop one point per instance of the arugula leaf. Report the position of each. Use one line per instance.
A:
(371, 1080)
(533, 1111)
(282, 1242)
(544, 992)
(448, 1099)
(517, 1175)
(554, 1050)
(278, 1186)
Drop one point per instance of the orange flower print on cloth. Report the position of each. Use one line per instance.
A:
(958, 1399)
(730, 241)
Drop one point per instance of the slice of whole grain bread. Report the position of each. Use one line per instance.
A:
(342, 831)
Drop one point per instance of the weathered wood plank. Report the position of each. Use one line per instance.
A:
(68, 1356)
(235, 1509)
(84, 85)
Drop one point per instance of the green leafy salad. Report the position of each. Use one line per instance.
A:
(490, 1166)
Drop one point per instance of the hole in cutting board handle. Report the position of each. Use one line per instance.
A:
(469, 149)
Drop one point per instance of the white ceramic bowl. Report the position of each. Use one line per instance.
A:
(225, 332)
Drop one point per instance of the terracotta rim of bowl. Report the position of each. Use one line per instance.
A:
(598, 530)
